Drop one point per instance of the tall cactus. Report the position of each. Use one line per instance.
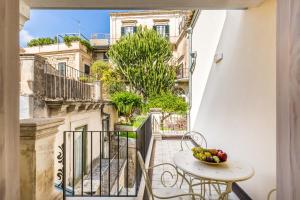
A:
(144, 60)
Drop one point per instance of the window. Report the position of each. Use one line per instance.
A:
(126, 30)
(163, 30)
(80, 152)
(62, 68)
(87, 69)
(105, 56)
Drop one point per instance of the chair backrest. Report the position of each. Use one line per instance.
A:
(146, 177)
(192, 138)
(271, 193)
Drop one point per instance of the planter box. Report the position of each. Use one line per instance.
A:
(123, 127)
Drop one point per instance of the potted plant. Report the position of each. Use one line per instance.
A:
(126, 103)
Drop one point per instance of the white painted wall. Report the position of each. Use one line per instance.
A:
(205, 39)
(72, 121)
(237, 112)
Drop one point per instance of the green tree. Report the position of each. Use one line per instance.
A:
(108, 76)
(126, 103)
(169, 104)
(144, 61)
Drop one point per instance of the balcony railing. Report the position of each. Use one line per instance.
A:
(103, 163)
(182, 72)
(100, 39)
(68, 83)
(104, 39)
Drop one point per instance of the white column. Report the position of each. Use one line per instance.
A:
(37, 158)
(288, 104)
(24, 12)
(9, 100)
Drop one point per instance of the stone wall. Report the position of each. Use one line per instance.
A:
(37, 158)
(32, 85)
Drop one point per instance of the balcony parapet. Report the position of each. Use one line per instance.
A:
(42, 83)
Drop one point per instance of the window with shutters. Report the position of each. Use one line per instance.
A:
(127, 30)
(163, 30)
(87, 69)
(80, 152)
(62, 68)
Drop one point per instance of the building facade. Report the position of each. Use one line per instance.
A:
(60, 55)
(170, 24)
(53, 86)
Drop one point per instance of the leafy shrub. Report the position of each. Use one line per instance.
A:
(110, 78)
(69, 39)
(138, 121)
(169, 104)
(41, 41)
(126, 103)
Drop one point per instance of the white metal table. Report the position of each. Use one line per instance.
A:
(227, 173)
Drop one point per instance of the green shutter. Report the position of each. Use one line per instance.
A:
(122, 31)
(134, 29)
(167, 31)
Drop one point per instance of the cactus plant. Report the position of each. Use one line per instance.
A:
(144, 61)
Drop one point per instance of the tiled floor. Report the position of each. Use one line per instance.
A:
(164, 152)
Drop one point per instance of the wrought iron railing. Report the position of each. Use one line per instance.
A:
(182, 72)
(103, 163)
(67, 83)
(105, 39)
(174, 124)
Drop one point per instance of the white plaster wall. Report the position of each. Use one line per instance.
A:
(237, 111)
(25, 111)
(75, 120)
(205, 39)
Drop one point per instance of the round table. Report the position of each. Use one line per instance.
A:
(227, 173)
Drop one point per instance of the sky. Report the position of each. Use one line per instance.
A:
(49, 23)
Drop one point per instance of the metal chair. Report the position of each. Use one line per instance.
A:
(188, 141)
(168, 192)
(271, 194)
(191, 139)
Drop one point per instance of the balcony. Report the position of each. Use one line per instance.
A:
(51, 83)
(100, 40)
(182, 74)
(69, 84)
(103, 163)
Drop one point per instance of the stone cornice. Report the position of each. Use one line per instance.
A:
(32, 56)
(37, 128)
(149, 12)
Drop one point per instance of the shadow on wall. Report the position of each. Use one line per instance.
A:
(238, 109)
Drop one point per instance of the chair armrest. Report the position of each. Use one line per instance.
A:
(181, 195)
(168, 164)
(177, 175)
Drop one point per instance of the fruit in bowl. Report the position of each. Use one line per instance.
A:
(211, 156)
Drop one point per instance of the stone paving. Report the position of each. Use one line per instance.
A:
(96, 177)
(164, 152)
